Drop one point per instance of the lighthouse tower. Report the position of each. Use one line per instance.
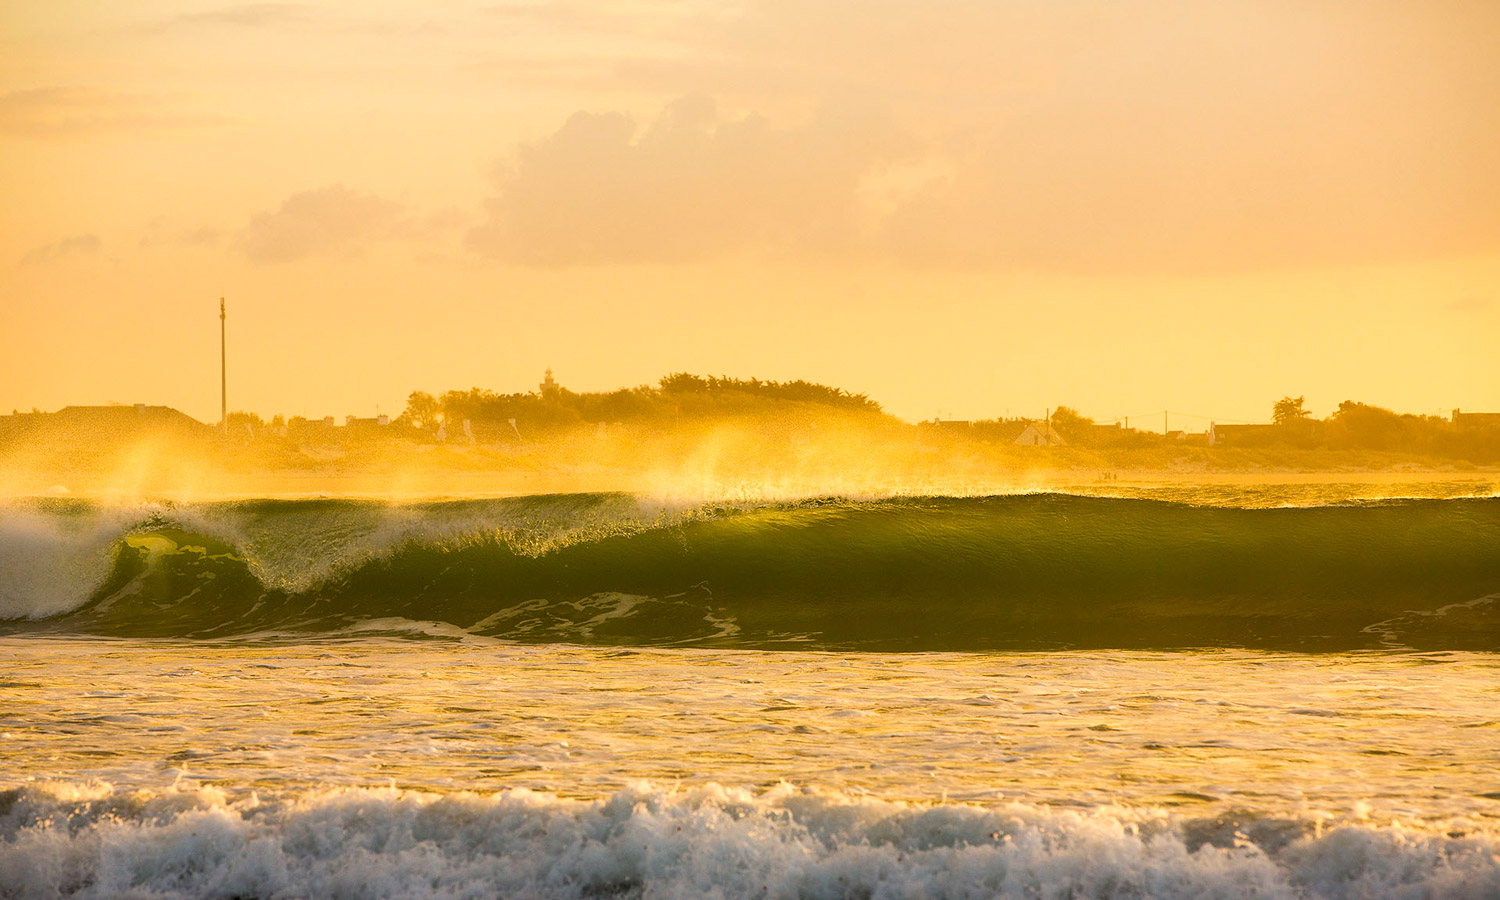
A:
(550, 389)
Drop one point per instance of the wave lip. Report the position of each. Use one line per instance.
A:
(73, 840)
(1028, 572)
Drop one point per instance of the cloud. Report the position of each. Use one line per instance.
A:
(77, 245)
(1174, 185)
(280, 19)
(691, 184)
(60, 112)
(157, 233)
(1087, 136)
(591, 16)
(201, 237)
(1171, 136)
(327, 221)
(251, 15)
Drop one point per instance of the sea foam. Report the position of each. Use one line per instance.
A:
(710, 841)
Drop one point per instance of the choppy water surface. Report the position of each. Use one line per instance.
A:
(1394, 735)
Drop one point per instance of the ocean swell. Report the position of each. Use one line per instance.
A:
(1012, 572)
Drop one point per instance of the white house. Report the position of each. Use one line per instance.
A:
(1035, 435)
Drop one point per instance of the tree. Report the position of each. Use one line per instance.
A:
(421, 409)
(683, 383)
(1368, 427)
(1288, 410)
(1068, 423)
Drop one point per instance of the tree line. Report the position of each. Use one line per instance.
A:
(1352, 426)
(675, 396)
(1362, 426)
(681, 396)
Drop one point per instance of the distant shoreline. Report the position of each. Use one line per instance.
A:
(481, 483)
(735, 444)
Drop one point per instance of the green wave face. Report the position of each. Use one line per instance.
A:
(1016, 573)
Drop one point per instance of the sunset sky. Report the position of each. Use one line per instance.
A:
(973, 207)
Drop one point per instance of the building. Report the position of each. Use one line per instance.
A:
(1201, 438)
(1475, 420)
(1039, 434)
(550, 389)
(309, 429)
(356, 422)
(1240, 435)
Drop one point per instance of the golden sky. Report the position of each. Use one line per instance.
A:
(978, 207)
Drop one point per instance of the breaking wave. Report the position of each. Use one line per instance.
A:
(1008, 572)
(646, 841)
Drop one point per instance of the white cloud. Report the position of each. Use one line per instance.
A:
(691, 184)
(1086, 136)
(327, 221)
(77, 245)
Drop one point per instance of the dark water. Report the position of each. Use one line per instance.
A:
(1013, 572)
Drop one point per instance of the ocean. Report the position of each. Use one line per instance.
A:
(1279, 691)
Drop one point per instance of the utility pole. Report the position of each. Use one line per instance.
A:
(223, 374)
(1165, 428)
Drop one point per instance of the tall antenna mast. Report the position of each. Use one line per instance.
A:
(223, 374)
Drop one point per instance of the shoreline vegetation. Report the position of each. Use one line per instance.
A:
(707, 437)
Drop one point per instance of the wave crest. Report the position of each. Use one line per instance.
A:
(1014, 572)
(707, 841)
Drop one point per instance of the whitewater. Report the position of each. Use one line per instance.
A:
(1282, 692)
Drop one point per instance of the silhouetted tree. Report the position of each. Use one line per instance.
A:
(1288, 410)
(1073, 427)
(421, 410)
(1358, 425)
(682, 383)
